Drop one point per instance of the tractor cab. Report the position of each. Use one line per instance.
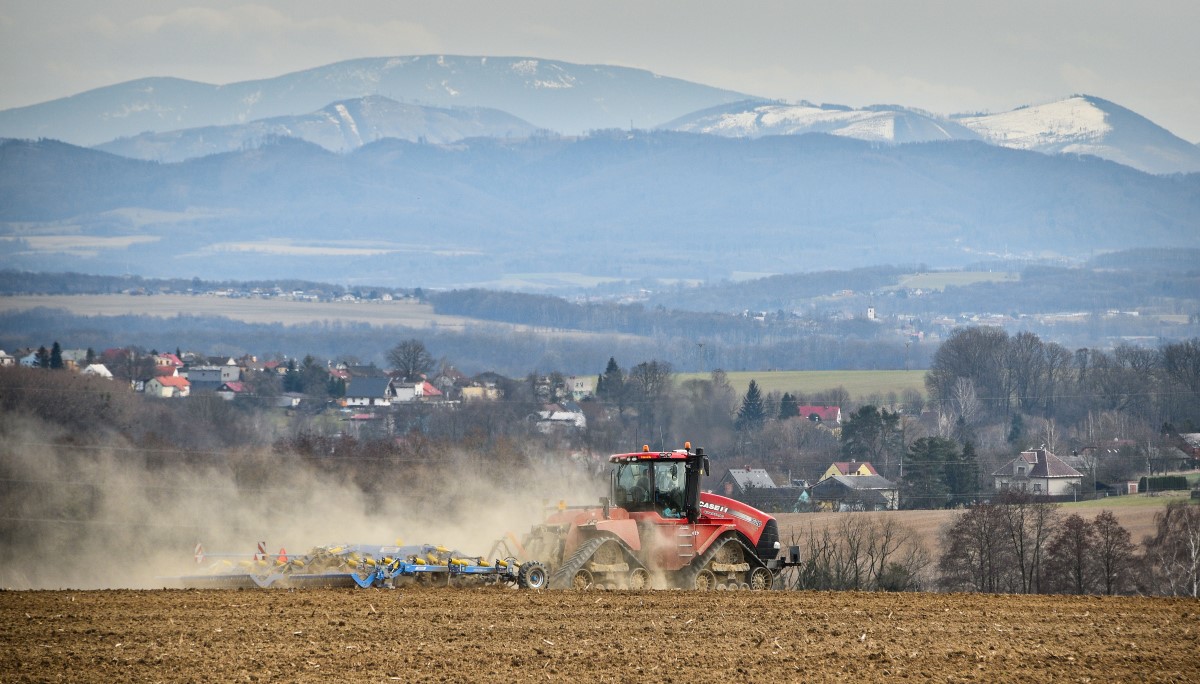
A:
(666, 482)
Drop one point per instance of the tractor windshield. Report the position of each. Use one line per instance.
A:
(650, 485)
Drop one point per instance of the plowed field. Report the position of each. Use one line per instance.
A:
(499, 635)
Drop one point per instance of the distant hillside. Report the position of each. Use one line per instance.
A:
(568, 98)
(338, 127)
(666, 206)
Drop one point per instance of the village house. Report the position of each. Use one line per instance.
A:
(99, 370)
(856, 493)
(232, 390)
(168, 386)
(755, 486)
(853, 468)
(830, 416)
(73, 359)
(564, 416)
(205, 378)
(581, 387)
(376, 391)
(481, 392)
(168, 360)
(736, 482)
(1038, 472)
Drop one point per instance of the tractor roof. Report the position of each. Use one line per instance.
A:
(646, 455)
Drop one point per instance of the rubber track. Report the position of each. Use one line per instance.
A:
(563, 577)
(688, 574)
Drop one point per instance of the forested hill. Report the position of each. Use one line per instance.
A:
(615, 204)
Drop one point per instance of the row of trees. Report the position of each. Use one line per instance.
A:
(1020, 544)
(984, 372)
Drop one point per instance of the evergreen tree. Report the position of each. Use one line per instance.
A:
(43, 357)
(90, 358)
(788, 407)
(291, 379)
(752, 414)
(1016, 429)
(335, 387)
(924, 482)
(872, 435)
(56, 361)
(313, 377)
(962, 476)
(610, 387)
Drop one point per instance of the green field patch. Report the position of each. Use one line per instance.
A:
(1127, 501)
(859, 384)
(938, 280)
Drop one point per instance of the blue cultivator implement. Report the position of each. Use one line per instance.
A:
(364, 565)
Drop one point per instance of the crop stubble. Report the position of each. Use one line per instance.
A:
(456, 634)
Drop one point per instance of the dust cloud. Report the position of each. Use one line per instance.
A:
(111, 515)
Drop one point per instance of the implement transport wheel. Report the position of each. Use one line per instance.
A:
(532, 575)
(639, 579)
(705, 581)
(760, 579)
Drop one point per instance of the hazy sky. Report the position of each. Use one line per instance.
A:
(943, 56)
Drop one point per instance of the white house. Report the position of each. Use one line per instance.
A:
(1038, 472)
(97, 369)
(375, 391)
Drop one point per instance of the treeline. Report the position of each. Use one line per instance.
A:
(1016, 544)
(1047, 289)
(986, 374)
(473, 349)
(1022, 545)
(13, 282)
(786, 292)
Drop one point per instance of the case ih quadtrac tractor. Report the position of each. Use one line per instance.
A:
(657, 529)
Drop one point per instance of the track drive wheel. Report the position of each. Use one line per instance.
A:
(639, 579)
(760, 579)
(582, 580)
(705, 581)
(532, 575)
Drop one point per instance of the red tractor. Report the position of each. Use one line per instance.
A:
(657, 529)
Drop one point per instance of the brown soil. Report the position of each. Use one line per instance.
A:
(432, 634)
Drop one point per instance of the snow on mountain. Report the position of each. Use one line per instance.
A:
(339, 127)
(881, 123)
(1088, 125)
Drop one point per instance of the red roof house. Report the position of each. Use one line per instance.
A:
(831, 415)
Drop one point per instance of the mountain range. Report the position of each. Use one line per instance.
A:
(531, 174)
(443, 98)
(339, 127)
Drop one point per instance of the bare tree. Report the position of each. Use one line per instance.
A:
(1174, 550)
(1071, 557)
(976, 555)
(977, 354)
(1116, 555)
(859, 552)
(410, 359)
(1028, 523)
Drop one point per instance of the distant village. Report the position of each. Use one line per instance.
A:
(363, 394)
